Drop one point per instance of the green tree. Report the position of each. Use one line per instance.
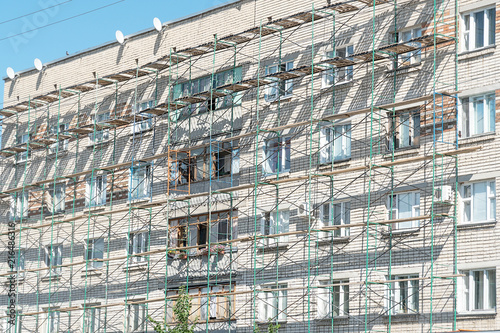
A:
(182, 308)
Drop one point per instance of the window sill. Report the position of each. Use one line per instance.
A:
(16, 279)
(138, 266)
(403, 317)
(484, 313)
(336, 164)
(477, 52)
(474, 225)
(54, 277)
(337, 85)
(401, 232)
(146, 132)
(279, 321)
(330, 318)
(404, 70)
(402, 152)
(95, 209)
(17, 163)
(138, 201)
(60, 153)
(91, 272)
(284, 174)
(276, 246)
(332, 239)
(55, 215)
(477, 138)
(92, 144)
(280, 99)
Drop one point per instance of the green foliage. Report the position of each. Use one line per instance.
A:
(271, 328)
(182, 308)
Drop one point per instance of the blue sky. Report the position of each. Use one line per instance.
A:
(23, 36)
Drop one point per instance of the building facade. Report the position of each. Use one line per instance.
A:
(325, 167)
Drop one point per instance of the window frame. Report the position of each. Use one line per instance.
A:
(273, 302)
(393, 293)
(396, 210)
(91, 253)
(345, 218)
(144, 181)
(52, 316)
(278, 89)
(102, 135)
(329, 135)
(469, 45)
(396, 126)
(273, 223)
(468, 290)
(468, 115)
(91, 323)
(59, 206)
(9, 328)
(133, 247)
(331, 76)
(136, 320)
(61, 145)
(138, 127)
(26, 155)
(283, 147)
(19, 206)
(92, 198)
(326, 297)
(490, 201)
(412, 58)
(54, 258)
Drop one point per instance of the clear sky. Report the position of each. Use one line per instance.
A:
(47, 29)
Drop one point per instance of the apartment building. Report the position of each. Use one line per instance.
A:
(328, 167)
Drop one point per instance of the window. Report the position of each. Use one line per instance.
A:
(335, 143)
(94, 250)
(342, 74)
(279, 88)
(210, 303)
(92, 320)
(404, 205)
(51, 325)
(276, 155)
(146, 124)
(478, 290)
(135, 318)
(52, 258)
(272, 223)
(139, 184)
(137, 243)
(24, 156)
(58, 197)
(478, 29)
(19, 205)
(227, 160)
(9, 326)
(402, 294)
(200, 85)
(478, 115)
(409, 58)
(57, 131)
(203, 164)
(333, 298)
(338, 213)
(479, 201)
(95, 191)
(272, 303)
(197, 231)
(100, 134)
(404, 129)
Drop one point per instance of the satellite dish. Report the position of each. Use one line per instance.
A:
(119, 37)
(157, 24)
(10, 73)
(38, 64)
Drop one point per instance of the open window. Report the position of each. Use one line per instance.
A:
(402, 294)
(276, 155)
(404, 129)
(95, 190)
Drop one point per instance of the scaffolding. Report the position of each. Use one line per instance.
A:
(196, 187)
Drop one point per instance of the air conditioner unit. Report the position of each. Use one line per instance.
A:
(443, 194)
(305, 211)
